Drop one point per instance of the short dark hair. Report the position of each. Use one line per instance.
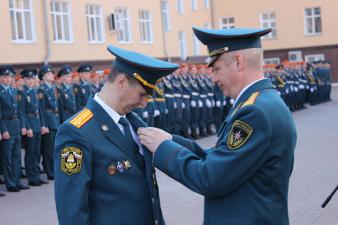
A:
(115, 72)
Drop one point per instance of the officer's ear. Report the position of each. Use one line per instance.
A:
(240, 61)
(122, 82)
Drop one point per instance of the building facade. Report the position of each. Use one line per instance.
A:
(69, 31)
(303, 30)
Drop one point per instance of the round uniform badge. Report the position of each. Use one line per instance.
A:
(104, 127)
(111, 169)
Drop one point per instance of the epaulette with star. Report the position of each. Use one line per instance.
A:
(82, 118)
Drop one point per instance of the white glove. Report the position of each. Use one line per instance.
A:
(200, 103)
(212, 103)
(145, 114)
(218, 103)
(166, 111)
(156, 112)
(193, 103)
(175, 105)
(208, 103)
(183, 105)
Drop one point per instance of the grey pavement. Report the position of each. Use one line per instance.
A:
(315, 175)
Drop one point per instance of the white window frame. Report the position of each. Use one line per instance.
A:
(313, 17)
(269, 22)
(146, 26)
(207, 4)
(180, 7)
(182, 45)
(123, 26)
(96, 19)
(14, 23)
(61, 15)
(166, 15)
(196, 45)
(193, 5)
(299, 56)
(228, 24)
(316, 56)
(275, 60)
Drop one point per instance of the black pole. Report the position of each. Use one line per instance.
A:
(329, 198)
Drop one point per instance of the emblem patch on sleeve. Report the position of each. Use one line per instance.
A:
(71, 160)
(239, 135)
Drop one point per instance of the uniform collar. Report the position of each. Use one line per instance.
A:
(110, 111)
(251, 88)
(245, 88)
(6, 87)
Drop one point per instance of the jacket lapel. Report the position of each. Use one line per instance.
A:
(136, 122)
(110, 129)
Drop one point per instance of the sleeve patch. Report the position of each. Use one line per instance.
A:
(71, 160)
(239, 135)
(82, 118)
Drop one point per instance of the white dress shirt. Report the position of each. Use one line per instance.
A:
(116, 117)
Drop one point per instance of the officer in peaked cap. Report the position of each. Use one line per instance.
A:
(101, 169)
(45, 69)
(49, 105)
(67, 103)
(30, 101)
(83, 90)
(12, 126)
(245, 176)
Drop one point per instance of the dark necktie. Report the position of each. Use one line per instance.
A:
(127, 133)
(9, 91)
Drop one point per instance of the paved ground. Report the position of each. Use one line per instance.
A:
(315, 176)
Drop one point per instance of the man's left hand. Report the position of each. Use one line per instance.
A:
(152, 137)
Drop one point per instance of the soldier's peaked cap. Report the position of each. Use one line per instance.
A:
(145, 69)
(219, 41)
(85, 68)
(45, 69)
(7, 70)
(65, 69)
(29, 72)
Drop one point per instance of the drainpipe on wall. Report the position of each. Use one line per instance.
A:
(45, 14)
(163, 35)
(212, 14)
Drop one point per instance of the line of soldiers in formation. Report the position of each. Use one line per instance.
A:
(33, 104)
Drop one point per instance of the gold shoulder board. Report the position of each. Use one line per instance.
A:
(82, 118)
(251, 100)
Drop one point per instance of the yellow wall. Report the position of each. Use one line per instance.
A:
(81, 50)
(289, 13)
(290, 20)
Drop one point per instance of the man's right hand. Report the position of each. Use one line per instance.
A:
(44, 130)
(5, 135)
